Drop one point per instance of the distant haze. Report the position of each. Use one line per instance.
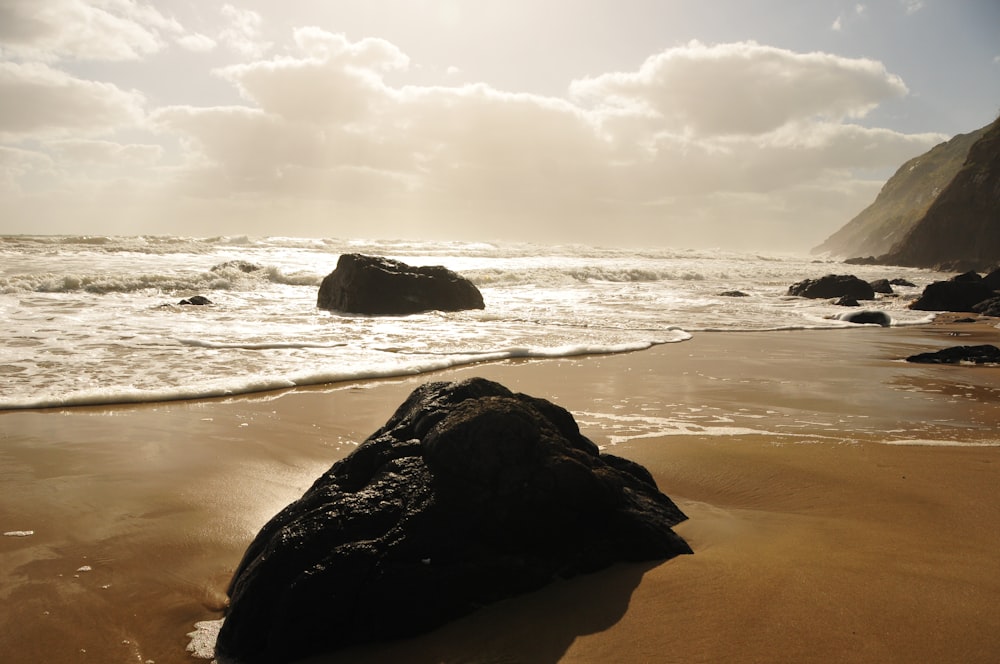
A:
(742, 125)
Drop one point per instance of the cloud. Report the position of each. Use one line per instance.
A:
(742, 88)
(243, 34)
(333, 81)
(734, 125)
(912, 6)
(42, 102)
(15, 163)
(691, 141)
(97, 152)
(196, 42)
(838, 24)
(111, 30)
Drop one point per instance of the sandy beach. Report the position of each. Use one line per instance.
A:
(844, 506)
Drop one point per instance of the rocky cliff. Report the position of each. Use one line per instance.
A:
(904, 200)
(961, 228)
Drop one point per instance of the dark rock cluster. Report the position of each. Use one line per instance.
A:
(965, 292)
(982, 354)
(468, 494)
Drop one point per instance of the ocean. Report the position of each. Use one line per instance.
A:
(93, 320)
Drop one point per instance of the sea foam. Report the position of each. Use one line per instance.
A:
(95, 320)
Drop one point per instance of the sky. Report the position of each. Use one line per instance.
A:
(733, 124)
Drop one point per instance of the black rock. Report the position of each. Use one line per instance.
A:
(993, 279)
(733, 293)
(467, 495)
(881, 286)
(381, 286)
(984, 354)
(867, 318)
(833, 285)
(847, 302)
(953, 296)
(969, 277)
(902, 282)
(196, 300)
(990, 307)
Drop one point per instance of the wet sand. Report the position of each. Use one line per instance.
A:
(844, 506)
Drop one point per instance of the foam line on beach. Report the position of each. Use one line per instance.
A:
(415, 364)
(915, 442)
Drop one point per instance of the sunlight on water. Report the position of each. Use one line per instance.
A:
(96, 320)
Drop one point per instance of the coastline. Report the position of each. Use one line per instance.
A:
(814, 540)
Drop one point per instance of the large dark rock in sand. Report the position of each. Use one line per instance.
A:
(833, 285)
(468, 494)
(381, 286)
(983, 354)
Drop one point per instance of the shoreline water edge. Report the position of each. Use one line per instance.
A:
(842, 503)
(93, 321)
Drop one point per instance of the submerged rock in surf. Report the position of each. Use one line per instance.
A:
(381, 286)
(867, 317)
(468, 494)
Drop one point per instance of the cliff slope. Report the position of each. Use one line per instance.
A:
(903, 201)
(961, 228)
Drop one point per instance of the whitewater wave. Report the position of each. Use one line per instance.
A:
(223, 277)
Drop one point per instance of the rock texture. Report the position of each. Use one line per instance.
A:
(984, 354)
(903, 201)
(469, 494)
(990, 307)
(962, 293)
(381, 286)
(833, 285)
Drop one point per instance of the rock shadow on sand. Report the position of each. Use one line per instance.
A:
(468, 496)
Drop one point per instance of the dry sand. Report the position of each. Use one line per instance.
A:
(825, 526)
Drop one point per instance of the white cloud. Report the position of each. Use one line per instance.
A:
(16, 163)
(98, 30)
(243, 35)
(696, 135)
(912, 6)
(99, 152)
(838, 24)
(734, 122)
(196, 42)
(40, 102)
(742, 88)
(334, 81)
